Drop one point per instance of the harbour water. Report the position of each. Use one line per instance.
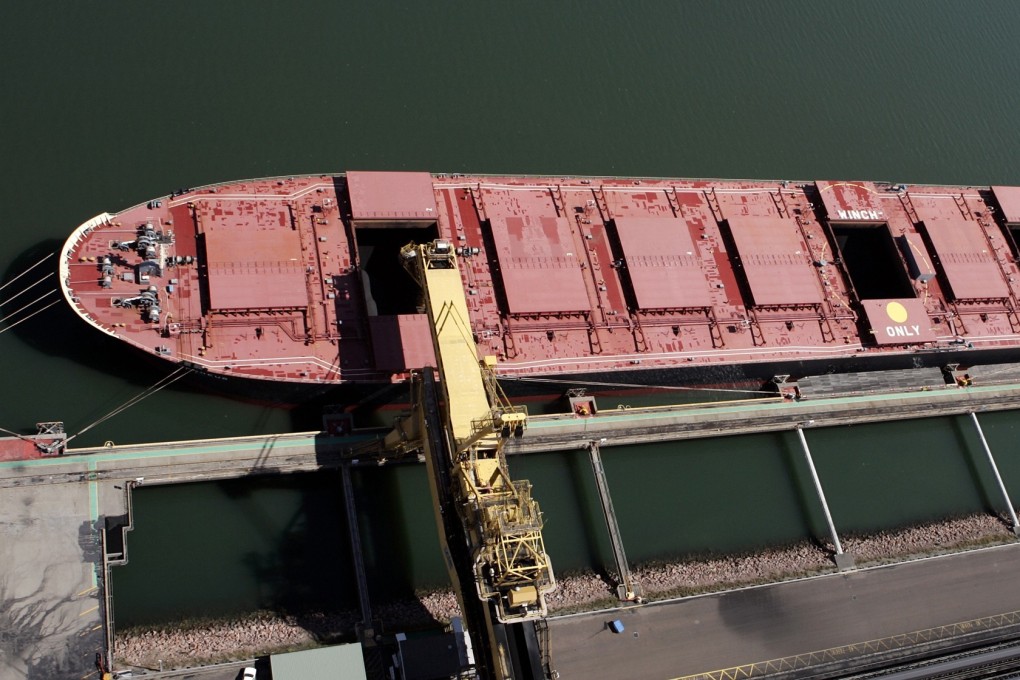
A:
(108, 105)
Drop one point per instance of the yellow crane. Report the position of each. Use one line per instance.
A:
(490, 524)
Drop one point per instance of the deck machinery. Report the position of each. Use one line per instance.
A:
(490, 524)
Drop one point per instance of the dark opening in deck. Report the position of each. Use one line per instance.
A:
(389, 289)
(872, 261)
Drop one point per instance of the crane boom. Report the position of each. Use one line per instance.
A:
(502, 522)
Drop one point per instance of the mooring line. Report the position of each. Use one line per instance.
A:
(25, 290)
(24, 307)
(26, 318)
(166, 381)
(26, 271)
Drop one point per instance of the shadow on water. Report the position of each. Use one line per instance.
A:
(400, 547)
(307, 571)
(393, 504)
(277, 543)
(368, 405)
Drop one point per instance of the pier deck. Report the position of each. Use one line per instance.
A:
(189, 461)
(51, 596)
(672, 423)
(828, 623)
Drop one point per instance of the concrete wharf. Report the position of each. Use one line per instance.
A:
(56, 511)
(226, 458)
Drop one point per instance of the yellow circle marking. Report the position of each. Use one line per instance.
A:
(896, 312)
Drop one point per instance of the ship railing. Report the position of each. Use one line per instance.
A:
(64, 267)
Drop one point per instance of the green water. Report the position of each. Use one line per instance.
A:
(222, 548)
(227, 547)
(104, 105)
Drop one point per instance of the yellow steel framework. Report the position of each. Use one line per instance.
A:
(502, 521)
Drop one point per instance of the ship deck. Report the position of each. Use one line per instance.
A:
(298, 279)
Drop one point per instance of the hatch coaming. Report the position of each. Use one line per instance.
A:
(941, 247)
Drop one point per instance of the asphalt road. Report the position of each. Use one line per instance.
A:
(721, 631)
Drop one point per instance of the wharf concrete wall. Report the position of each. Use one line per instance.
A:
(200, 460)
(638, 426)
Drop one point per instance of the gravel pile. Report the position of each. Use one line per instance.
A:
(194, 643)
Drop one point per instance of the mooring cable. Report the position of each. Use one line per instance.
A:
(25, 290)
(165, 381)
(26, 271)
(24, 307)
(19, 436)
(26, 318)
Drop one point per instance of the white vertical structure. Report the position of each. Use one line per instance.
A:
(995, 470)
(843, 561)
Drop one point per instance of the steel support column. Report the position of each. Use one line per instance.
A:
(357, 555)
(843, 561)
(995, 469)
(627, 589)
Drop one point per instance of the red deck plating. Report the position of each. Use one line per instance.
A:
(662, 262)
(297, 278)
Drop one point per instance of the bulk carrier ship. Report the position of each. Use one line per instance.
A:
(569, 280)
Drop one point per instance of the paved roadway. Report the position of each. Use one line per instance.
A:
(51, 623)
(223, 671)
(714, 632)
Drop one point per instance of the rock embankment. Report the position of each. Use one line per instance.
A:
(195, 643)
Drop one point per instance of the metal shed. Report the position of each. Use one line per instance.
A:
(339, 662)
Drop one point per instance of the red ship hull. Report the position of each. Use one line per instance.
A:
(600, 280)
